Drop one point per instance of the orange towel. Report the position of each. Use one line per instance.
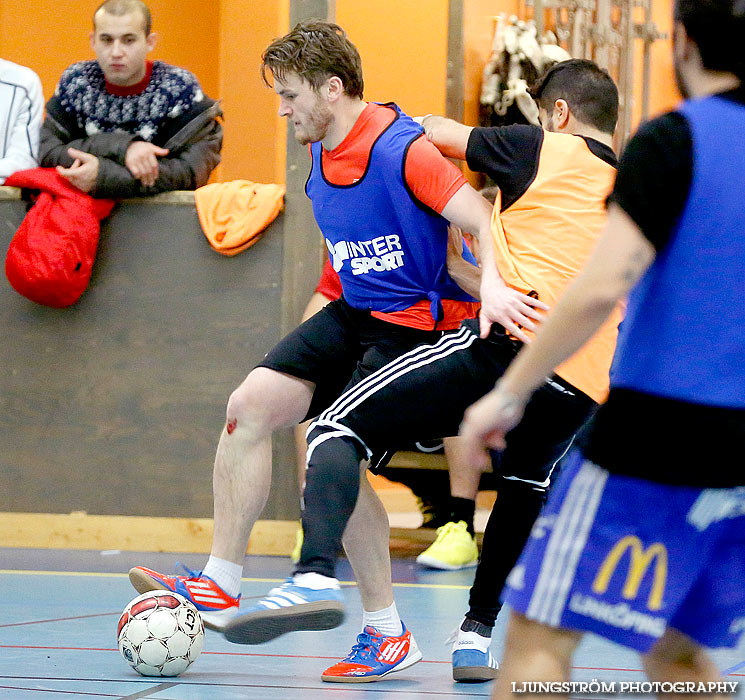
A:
(233, 214)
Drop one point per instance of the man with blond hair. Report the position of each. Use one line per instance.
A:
(553, 185)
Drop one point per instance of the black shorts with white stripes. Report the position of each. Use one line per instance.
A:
(423, 394)
(339, 346)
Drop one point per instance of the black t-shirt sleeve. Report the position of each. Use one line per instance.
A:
(654, 176)
(508, 155)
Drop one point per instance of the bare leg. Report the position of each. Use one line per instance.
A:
(677, 657)
(366, 542)
(265, 401)
(534, 652)
(464, 479)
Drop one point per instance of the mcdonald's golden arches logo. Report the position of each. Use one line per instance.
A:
(639, 563)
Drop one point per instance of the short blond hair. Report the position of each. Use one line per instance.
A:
(117, 8)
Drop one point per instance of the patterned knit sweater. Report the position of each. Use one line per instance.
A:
(171, 94)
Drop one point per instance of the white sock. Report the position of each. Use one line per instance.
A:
(314, 581)
(387, 621)
(225, 574)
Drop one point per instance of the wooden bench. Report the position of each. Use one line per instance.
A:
(418, 460)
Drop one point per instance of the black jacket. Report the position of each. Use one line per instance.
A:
(194, 140)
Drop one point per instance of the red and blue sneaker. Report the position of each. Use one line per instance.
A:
(215, 605)
(374, 656)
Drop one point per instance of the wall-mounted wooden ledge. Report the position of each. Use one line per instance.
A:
(134, 533)
(175, 197)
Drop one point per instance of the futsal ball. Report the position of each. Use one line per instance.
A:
(160, 633)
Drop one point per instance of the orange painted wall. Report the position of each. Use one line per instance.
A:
(254, 146)
(403, 45)
(403, 48)
(48, 36)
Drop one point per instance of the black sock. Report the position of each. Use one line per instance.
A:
(463, 509)
(479, 628)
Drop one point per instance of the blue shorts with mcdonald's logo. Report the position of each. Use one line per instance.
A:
(626, 558)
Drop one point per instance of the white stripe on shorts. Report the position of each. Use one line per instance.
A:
(341, 431)
(412, 360)
(567, 540)
(543, 485)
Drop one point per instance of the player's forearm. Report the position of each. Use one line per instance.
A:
(490, 272)
(450, 137)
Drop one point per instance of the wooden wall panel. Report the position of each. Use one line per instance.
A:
(114, 406)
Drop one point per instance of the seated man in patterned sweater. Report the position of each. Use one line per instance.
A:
(123, 126)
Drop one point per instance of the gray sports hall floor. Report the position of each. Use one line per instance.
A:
(59, 609)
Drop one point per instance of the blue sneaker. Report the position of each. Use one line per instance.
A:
(472, 660)
(374, 656)
(287, 608)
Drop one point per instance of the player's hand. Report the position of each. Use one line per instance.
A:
(508, 307)
(428, 122)
(83, 172)
(142, 161)
(486, 423)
